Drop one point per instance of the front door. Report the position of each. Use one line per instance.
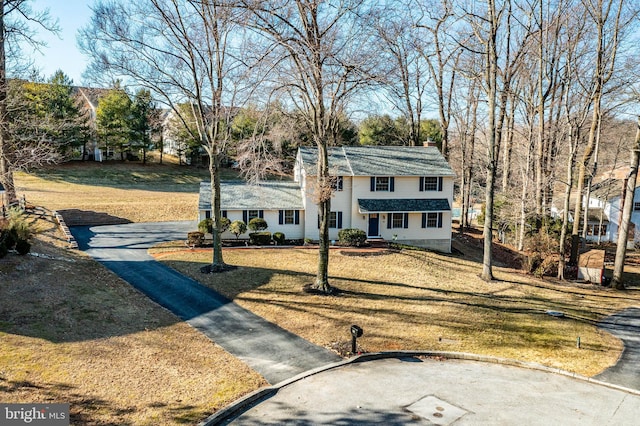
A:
(374, 223)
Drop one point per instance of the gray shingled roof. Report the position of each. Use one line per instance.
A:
(270, 195)
(379, 161)
(404, 205)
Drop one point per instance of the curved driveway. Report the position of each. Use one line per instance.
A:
(270, 350)
(626, 326)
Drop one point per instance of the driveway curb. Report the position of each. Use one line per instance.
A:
(236, 408)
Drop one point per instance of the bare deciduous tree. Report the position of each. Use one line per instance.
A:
(184, 51)
(15, 30)
(320, 56)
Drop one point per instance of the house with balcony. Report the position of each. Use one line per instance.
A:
(401, 194)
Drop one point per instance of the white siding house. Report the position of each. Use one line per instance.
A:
(605, 211)
(401, 194)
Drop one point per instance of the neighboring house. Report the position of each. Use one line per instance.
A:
(402, 194)
(89, 98)
(606, 202)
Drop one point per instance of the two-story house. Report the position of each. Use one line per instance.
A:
(401, 194)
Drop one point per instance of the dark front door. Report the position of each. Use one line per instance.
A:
(374, 223)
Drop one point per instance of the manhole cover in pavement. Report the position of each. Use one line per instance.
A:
(436, 410)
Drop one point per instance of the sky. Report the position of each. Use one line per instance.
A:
(62, 51)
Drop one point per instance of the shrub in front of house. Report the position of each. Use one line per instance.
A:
(260, 238)
(206, 225)
(257, 224)
(352, 237)
(238, 228)
(195, 238)
(278, 238)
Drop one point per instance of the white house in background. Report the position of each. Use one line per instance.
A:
(605, 210)
(401, 194)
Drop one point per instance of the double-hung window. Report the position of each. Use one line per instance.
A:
(430, 183)
(432, 220)
(335, 220)
(289, 217)
(397, 220)
(247, 215)
(337, 183)
(382, 183)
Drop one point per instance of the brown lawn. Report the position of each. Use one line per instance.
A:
(413, 300)
(71, 331)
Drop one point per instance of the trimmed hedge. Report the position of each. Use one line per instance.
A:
(260, 238)
(257, 224)
(279, 238)
(195, 238)
(352, 237)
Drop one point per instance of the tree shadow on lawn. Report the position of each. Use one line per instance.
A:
(85, 409)
(262, 279)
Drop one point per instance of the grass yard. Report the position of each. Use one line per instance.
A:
(414, 300)
(71, 331)
(131, 192)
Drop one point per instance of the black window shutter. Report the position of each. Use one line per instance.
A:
(224, 213)
(339, 183)
(261, 214)
(406, 220)
(439, 220)
(389, 220)
(424, 220)
(296, 217)
(373, 184)
(339, 220)
(245, 215)
(280, 217)
(318, 221)
(421, 184)
(207, 214)
(392, 185)
(440, 183)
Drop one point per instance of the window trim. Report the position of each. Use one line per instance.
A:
(402, 217)
(390, 187)
(425, 220)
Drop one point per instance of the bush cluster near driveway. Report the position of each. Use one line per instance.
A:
(71, 331)
(417, 300)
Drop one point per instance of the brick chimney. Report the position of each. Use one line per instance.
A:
(429, 142)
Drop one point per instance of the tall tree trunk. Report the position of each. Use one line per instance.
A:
(491, 73)
(621, 249)
(217, 262)
(324, 209)
(6, 176)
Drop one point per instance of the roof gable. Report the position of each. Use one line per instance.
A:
(379, 161)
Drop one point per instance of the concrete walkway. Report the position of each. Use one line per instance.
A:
(271, 351)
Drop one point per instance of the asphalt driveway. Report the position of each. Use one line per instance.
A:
(626, 326)
(270, 350)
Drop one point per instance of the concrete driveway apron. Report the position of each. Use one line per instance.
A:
(270, 350)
